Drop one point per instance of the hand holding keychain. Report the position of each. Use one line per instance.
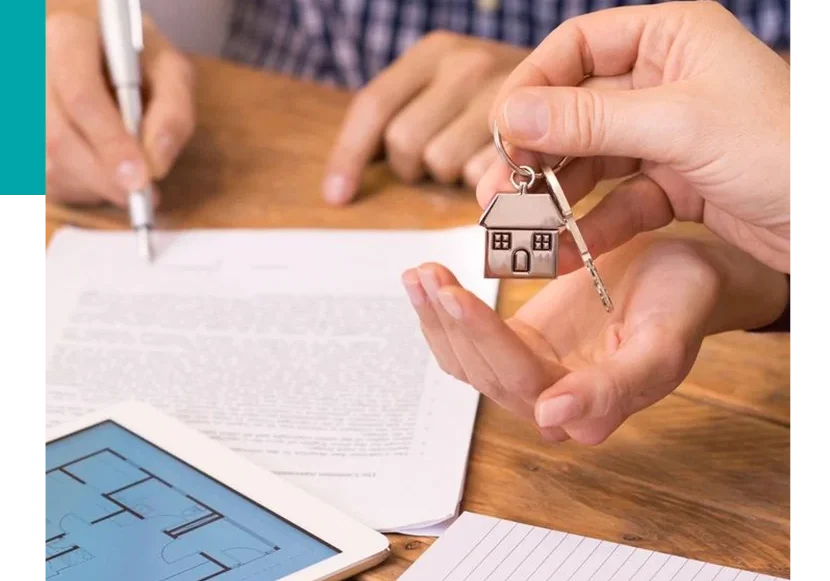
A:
(523, 228)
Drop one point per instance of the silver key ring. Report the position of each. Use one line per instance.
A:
(524, 170)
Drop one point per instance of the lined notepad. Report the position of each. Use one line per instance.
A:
(483, 548)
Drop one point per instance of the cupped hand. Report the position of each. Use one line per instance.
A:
(679, 94)
(577, 371)
(428, 113)
(90, 156)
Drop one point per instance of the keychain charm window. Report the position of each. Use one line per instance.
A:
(523, 227)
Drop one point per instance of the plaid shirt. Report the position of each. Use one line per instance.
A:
(347, 42)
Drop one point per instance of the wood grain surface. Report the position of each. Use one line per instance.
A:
(703, 474)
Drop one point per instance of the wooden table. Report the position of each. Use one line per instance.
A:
(703, 474)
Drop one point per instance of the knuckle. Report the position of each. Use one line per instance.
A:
(490, 387)
(400, 138)
(450, 369)
(440, 164)
(458, 373)
(443, 364)
(583, 127)
(676, 362)
(710, 8)
(368, 105)
(609, 397)
(674, 353)
(474, 170)
(684, 208)
(440, 38)
(175, 63)
(470, 174)
(470, 63)
(180, 123)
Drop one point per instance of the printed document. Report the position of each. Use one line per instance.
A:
(297, 348)
(483, 548)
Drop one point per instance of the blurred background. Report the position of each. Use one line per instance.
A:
(199, 26)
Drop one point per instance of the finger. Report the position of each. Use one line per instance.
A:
(477, 370)
(591, 403)
(477, 165)
(407, 135)
(496, 178)
(76, 75)
(453, 146)
(555, 435)
(624, 82)
(518, 369)
(599, 44)
(73, 174)
(171, 114)
(431, 326)
(577, 179)
(637, 205)
(665, 318)
(655, 123)
(372, 109)
(581, 176)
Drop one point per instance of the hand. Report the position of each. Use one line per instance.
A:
(429, 109)
(679, 94)
(579, 371)
(90, 156)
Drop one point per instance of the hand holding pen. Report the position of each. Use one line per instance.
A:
(91, 156)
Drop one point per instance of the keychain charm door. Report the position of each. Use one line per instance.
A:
(523, 228)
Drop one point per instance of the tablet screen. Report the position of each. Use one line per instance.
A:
(119, 507)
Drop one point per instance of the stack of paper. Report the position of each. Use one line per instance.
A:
(299, 349)
(479, 548)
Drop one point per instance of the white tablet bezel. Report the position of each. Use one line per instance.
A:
(360, 546)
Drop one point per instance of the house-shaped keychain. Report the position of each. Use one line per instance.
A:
(523, 228)
(522, 236)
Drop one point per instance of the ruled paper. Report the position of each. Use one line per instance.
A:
(483, 548)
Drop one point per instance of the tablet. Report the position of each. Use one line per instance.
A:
(134, 495)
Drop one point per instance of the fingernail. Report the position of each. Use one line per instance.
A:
(429, 282)
(556, 411)
(527, 116)
(131, 175)
(336, 189)
(413, 289)
(450, 304)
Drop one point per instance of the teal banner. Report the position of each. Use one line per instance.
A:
(22, 98)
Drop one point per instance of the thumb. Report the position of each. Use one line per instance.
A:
(592, 402)
(654, 124)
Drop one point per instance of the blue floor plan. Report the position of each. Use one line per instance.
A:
(110, 516)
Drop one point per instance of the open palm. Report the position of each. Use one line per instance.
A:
(576, 370)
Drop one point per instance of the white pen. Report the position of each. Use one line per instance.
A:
(123, 36)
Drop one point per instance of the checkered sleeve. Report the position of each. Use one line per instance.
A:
(769, 20)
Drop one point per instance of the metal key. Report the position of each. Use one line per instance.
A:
(555, 189)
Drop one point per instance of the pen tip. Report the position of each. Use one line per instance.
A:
(145, 246)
